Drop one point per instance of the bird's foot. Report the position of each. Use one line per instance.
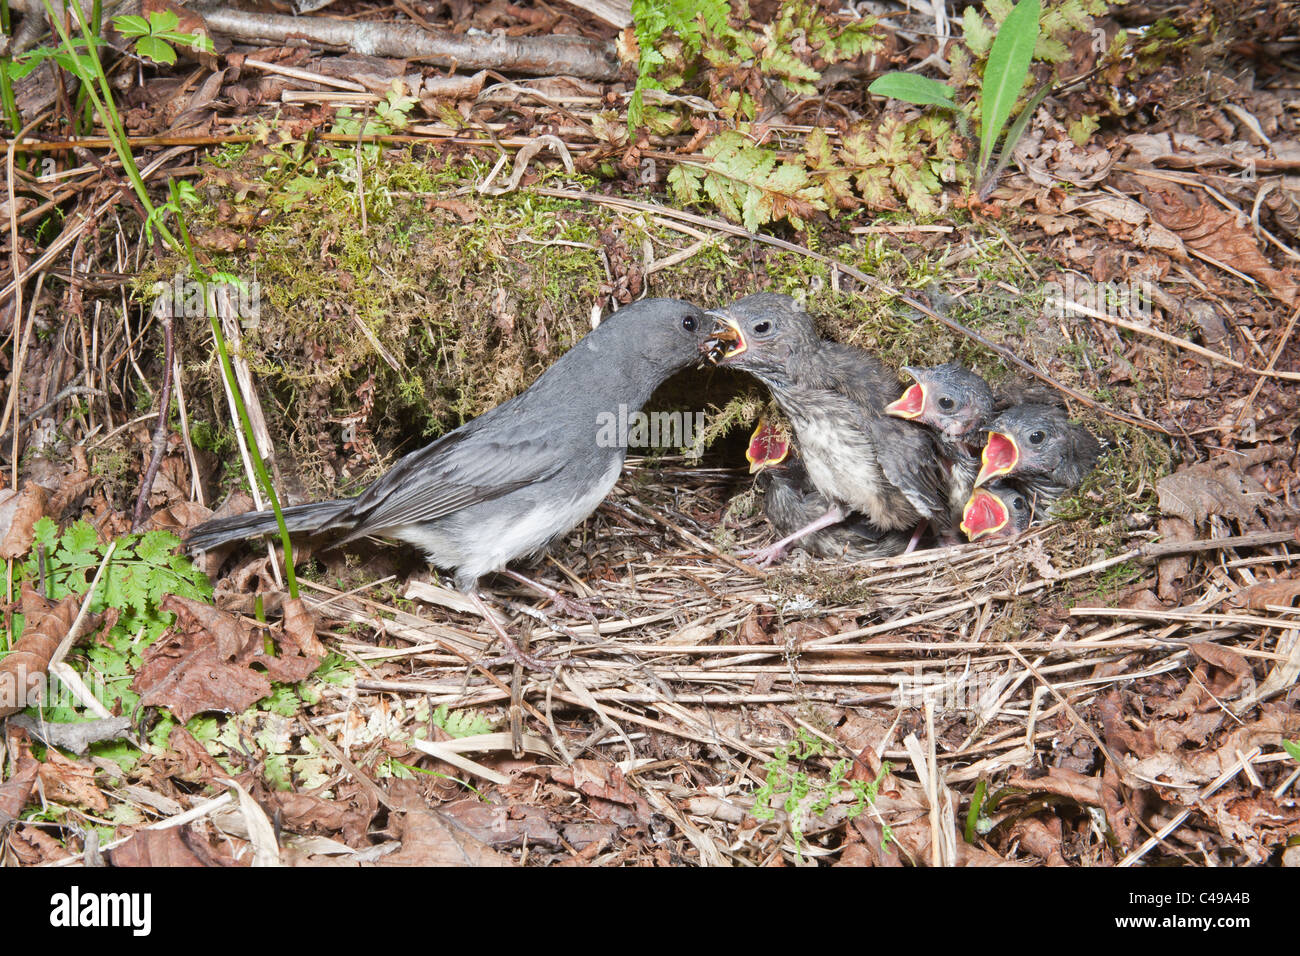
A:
(517, 655)
(573, 607)
(513, 651)
(916, 537)
(541, 617)
(764, 557)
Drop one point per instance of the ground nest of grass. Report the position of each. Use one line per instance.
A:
(1080, 695)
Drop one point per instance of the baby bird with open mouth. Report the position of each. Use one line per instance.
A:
(1039, 447)
(834, 395)
(791, 503)
(1000, 510)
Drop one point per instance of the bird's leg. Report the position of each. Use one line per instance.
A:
(512, 649)
(774, 552)
(568, 605)
(916, 536)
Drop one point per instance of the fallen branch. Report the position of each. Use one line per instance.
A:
(536, 56)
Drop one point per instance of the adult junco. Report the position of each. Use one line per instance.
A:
(1038, 446)
(509, 483)
(791, 503)
(834, 395)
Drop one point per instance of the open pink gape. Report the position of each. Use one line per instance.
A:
(1001, 455)
(984, 514)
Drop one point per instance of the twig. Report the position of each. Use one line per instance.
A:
(1149, 552)
(158, 445)
(1272, 361)
(1177, 342)
(41, 409)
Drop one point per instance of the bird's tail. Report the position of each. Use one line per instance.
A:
(318, 518)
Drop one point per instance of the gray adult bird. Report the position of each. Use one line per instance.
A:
(791, 503)
(1038, 446)
(834, 396)
(509, 483)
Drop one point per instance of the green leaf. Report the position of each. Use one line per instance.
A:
(81, 537)
(1292, 747)
(911, 88)
(152, 48)
(1004, 76)
(161, 21)
(975, 32)
(46, 533)
(130, 25)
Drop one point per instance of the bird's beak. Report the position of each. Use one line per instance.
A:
(725, 341)
(1001, 456)
(911, 405)
(767, 447)
(984, 514)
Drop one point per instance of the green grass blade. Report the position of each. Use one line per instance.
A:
(1013, 136)
(920, 90)
(1004, 75)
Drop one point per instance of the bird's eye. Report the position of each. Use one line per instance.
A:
(762, 328)
(1036, 438)
(1018, 504)
(947, 404)
(689, 323)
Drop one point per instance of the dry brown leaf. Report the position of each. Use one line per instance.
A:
(1281, 592)
(606, 782)
(1082, 789)
(28, 509)
(1041, 837)
(1171, 570)
(187, 675)
(1188, 770)
(22, 670)
(173, 846)
(1118, 815)
(1220, 486)
(431, 839)
(32, 845)
(512, 825)
(206, 661)
(73, 484)
(15, 791)
(1254, 822)
(300, 630)
(1218, 233)
(1232, 663)
(70, 781)
(1052, 160)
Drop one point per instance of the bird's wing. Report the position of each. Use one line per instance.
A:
(860, 375)
(910, 461)
(466, 467)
